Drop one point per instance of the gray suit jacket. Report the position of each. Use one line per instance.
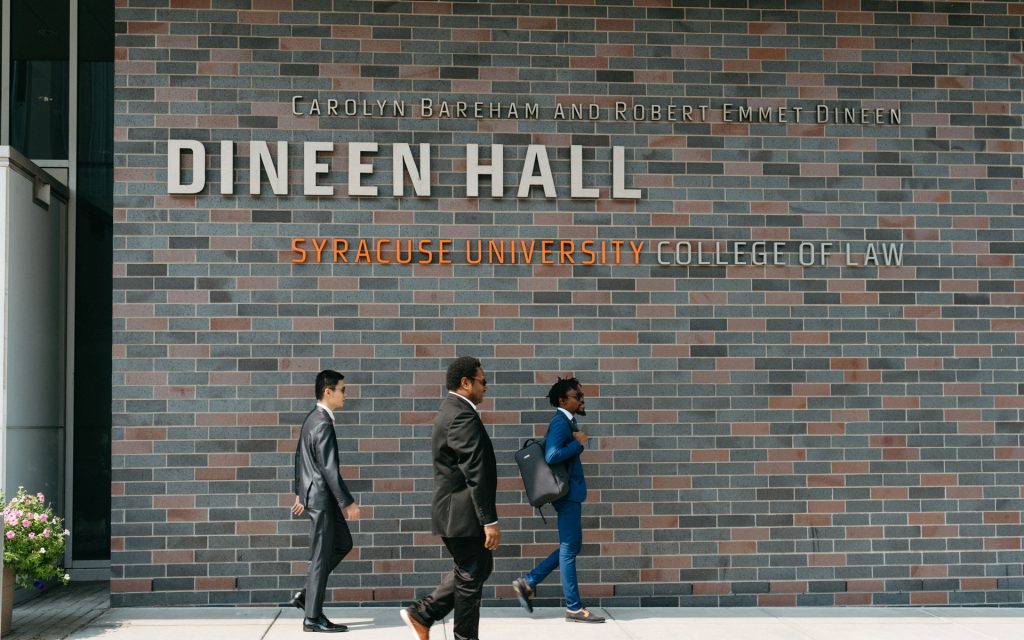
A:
(465, 472)
(318, 482)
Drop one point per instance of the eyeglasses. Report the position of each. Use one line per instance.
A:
(578, 396)
(482, 381)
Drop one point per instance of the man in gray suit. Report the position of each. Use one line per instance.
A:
(463, 509)
(322, 495)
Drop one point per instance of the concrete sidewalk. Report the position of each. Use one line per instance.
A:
(375, 623)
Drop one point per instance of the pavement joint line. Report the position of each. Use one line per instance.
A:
(270, 626)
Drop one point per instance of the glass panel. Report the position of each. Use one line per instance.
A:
(39, 78)
(3, 85)
(93, 281)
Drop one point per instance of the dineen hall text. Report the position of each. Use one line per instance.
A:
(408, 169)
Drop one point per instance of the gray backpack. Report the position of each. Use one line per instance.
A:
(544, 483)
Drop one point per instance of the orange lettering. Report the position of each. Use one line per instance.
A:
(618, 250)
(587, 251)
(340, 249)
(408, 252)
(424, 247)
(527, 255)
(496, 249)
(636, 248)
(479, 252)
(565, 252)
(545, 249)
(380, 258)
(363, 252)
(299, 250)
(319, 248)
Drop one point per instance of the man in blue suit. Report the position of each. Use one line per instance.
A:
(563, 445)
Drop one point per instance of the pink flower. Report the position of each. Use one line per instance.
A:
(25, 523)
(46, 533)
(43, 517)
(41, 497)
(10, 535)
(31, 535)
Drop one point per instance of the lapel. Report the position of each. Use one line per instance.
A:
(568, 420)
(324, 415)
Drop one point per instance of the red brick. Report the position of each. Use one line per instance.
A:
(130, 585)
(224, 583)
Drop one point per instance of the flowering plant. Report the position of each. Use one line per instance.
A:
(33, 540)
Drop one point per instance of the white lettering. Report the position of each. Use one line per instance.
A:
(536, 158)
(474, 170)
(576, 175)
(261, 160)
(227, 168)
(357, 169)
(619, 189)
(311, 168)
(174, 150)
(419, 176)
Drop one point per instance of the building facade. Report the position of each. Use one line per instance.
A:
(779, 243)
(56, 203)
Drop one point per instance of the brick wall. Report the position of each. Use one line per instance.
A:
(764, 435)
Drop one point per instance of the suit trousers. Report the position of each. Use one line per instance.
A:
(329, 542)
(570, 540)
(461, 590)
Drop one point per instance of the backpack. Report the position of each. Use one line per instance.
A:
(544, 483)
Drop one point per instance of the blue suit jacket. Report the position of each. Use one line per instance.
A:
(560, 446)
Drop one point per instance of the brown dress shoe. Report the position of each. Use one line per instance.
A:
(421, 630)
(583, 615)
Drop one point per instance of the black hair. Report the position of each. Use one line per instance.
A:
(464, 367)
(326, 379)
(561, 390)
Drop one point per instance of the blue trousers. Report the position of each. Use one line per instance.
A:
(570, 539)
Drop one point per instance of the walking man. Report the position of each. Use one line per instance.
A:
(563, 445)
(463, 507)
(322, 495)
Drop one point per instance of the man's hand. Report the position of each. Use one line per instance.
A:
(492, 537)
(297, 508)
(581, 437)
(351, 512)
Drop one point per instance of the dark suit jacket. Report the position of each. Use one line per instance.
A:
(560, 446)
(465, 472)
(317, 479)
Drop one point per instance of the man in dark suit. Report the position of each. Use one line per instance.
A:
(322, 495)
(563, 445)
(463, 508)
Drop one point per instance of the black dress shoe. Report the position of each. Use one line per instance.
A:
(299, 600)
(524, 593)
(322, 625)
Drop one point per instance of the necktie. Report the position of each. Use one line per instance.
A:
(573, 423)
